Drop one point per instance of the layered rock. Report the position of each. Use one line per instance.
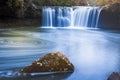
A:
(52, 62)
(114, 76)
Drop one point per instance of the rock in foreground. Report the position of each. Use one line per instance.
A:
(114, 76)
(51, 62)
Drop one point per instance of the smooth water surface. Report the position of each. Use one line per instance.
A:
(94, 53)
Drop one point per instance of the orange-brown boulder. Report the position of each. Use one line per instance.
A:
(52, 62)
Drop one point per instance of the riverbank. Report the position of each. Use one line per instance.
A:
(14, 22)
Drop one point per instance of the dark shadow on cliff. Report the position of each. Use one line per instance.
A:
(110, 17)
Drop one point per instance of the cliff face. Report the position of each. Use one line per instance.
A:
(110, 16)
(19, 13)
(18, 9)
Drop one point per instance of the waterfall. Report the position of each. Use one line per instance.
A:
(80, 16)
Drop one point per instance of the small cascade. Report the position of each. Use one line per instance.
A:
(80, 16)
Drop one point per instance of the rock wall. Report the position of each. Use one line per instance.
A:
(19, 13)
(110, 16)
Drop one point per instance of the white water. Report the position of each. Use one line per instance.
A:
(72, 17)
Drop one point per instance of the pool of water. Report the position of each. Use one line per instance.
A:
(95, 54)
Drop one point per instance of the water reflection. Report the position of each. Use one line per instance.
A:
(39, 76)
(95, 54)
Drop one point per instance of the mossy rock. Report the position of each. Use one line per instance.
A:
(52, 62)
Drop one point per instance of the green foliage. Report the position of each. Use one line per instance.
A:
(19, 7)
(15, 3)
(53, 2)
(16, 6)
(59, 2)
(104, 2)
(9, 3)
(79, 2)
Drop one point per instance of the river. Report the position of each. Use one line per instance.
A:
(94, 53)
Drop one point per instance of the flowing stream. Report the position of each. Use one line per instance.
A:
(94, 53)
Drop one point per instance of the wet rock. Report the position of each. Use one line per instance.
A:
(51, 62)
(114, 76)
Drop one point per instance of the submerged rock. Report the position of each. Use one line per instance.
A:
(114, 76)
(52, 62)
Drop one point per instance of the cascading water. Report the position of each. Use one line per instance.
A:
(80, 16)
